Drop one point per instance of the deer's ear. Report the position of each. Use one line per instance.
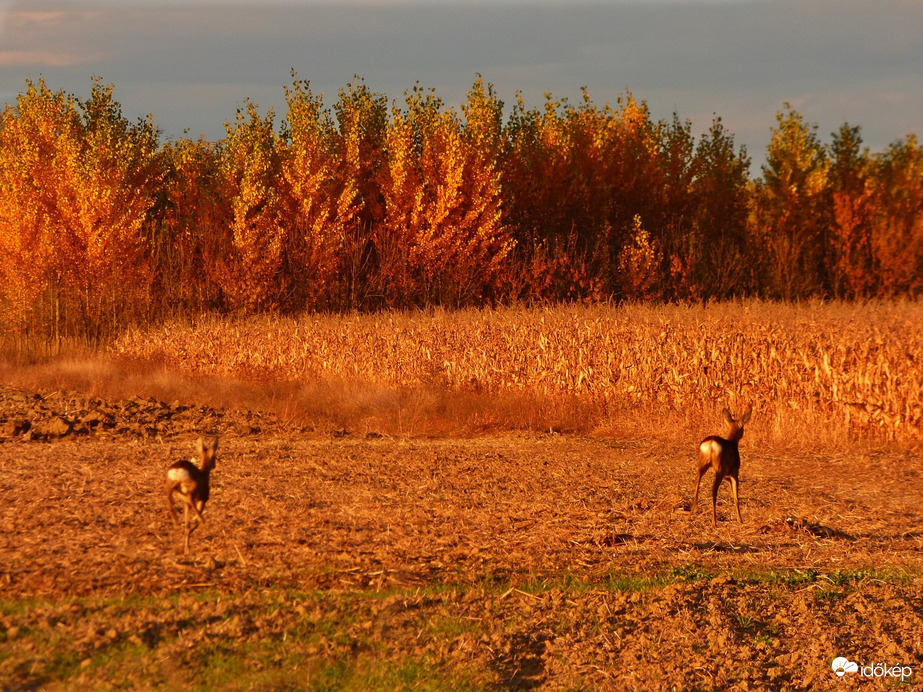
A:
(746, 417)
(215, 445)
(727, 416)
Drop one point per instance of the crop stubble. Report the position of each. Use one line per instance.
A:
(346, 555)
(503, 560)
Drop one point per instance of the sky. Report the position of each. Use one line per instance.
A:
(192, 64)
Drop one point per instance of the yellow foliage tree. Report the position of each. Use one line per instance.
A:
(309, 168)
(443, 198)
(77, 184)
(639, 264)
(251, 275)
(897, 228)
(791, 209)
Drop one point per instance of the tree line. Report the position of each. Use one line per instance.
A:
(374, 205)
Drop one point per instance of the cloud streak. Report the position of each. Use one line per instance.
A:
(32, 58)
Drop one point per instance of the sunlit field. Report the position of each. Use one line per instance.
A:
(816, 371)
(480, 499)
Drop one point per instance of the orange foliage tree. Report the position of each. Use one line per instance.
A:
(78, 182)
(250, 269)
(575, 178)
(897, 231)
(850, 179)
(313, 246)
(443, 200)
(360, 207)
(188, 226)
(361, 150)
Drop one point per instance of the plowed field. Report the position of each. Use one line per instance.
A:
(334, 559)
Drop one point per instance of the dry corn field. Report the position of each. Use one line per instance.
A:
(857, 369)
(345, 549)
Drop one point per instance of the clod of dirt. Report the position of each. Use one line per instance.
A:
(794, 524)
(26, 417)
(15, 427)
(57, 427)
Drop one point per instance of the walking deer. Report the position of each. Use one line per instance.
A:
(191, 482)
(722, 455)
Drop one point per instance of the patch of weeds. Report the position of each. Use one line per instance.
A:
(412, 673)
(330, 675)
(746, 621)
(218, 666)
(788, 578)
(40, 653)
(625, 582)
(761, 631)
(636, 583)
(122, 665)
(566, 583)
(687, 574)
(576, 585)
(19, 607)
(491, 582)
(452, 627)
(763, 640)
(364, 673)
(853, 577)
(830, 594)
(267, 664)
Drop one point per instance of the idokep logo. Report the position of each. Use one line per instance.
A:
(843, 666)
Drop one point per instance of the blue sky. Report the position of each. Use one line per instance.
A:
(191, 64)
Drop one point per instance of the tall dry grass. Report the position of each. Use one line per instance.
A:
(817, 373)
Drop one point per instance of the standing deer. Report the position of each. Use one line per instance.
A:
(191, 482)
(722, 455)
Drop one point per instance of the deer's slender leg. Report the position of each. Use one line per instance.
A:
(186, 525)
(173, 517)
(191, 504)
(703, 469)
(733, 480)
(719, 477)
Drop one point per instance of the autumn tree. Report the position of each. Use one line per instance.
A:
(362, 206)
(575, 178)
(187, 229)
(717, 250)
(897, 229)
(250, 268)
(791, 209)
(679, 169)
(360, 142)
(851, 180)
(37, 146)
(313, 243)
(443, 201)
(554, 255)
(78, 181)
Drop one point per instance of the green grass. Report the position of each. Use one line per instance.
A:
(436, 637)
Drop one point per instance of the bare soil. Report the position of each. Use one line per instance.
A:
(334, 559)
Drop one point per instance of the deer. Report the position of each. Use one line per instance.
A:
(722, 455)
(192, 484)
